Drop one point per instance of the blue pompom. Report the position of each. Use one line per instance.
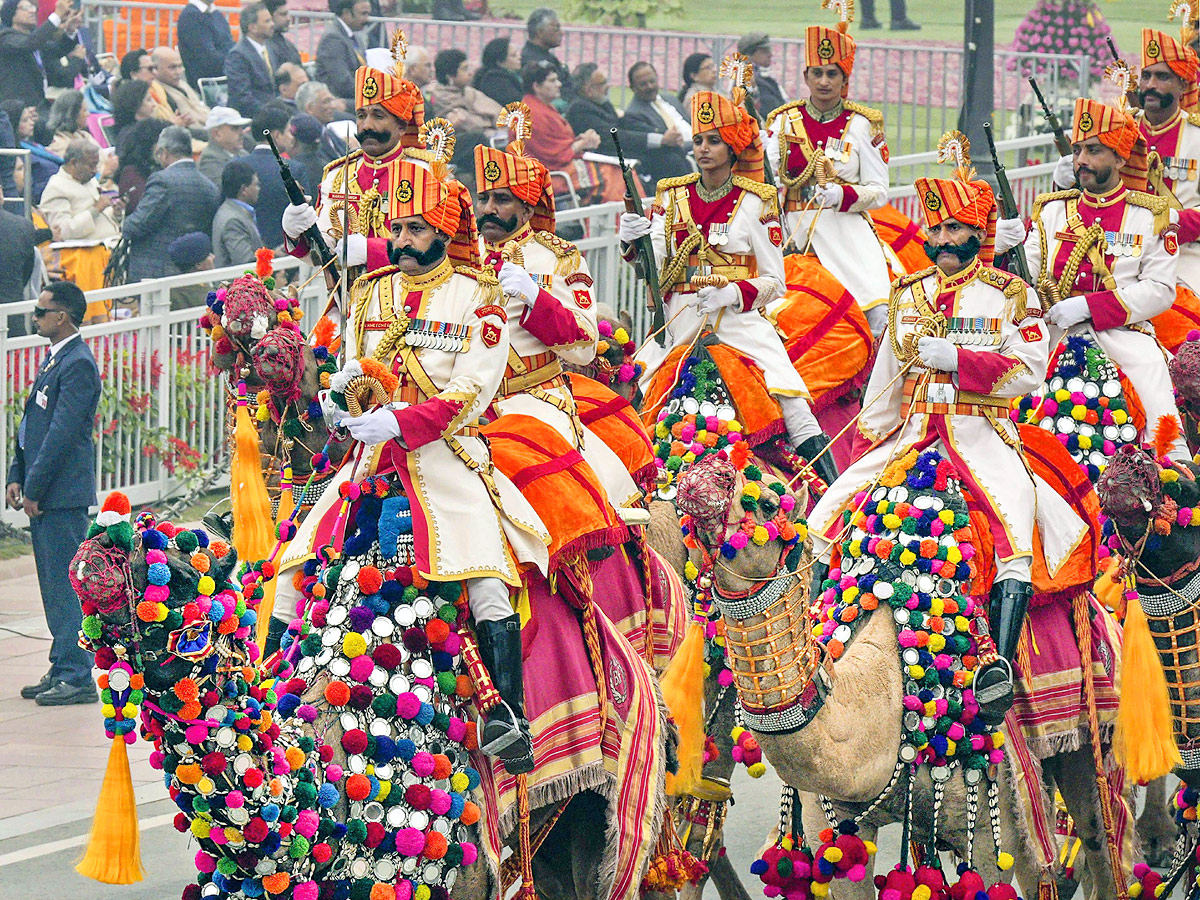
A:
(269, 812)
(158, 573)
(287, 705)
(406, 749)
(758, 867)
(425, 714)
(472, 778)
(201, 536)
(153, 539)
(327, 796)
(385, 750)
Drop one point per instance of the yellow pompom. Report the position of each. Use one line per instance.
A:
(262, 414)
(1004, 861)
(1135, 890)
(233, 836)
(206, 586)
(200, 828)
(871, 848)
(833, 854)
(385, 788)
(946, 516)
(1120, 416)
(922, 892)
(998, 739)
(621, 336)
(129, 710)
(1168, 476)
(205, 785)
(245, 742)
(459, 782)
(690, 572)
(354, 644)
(218, 332)
(820, 889)
(735, 426)
(757, 770)
(737, 732)
(108, 711)
(324, 379)
(907, 558)
(161, 612)
(760, 535)
(752, 489)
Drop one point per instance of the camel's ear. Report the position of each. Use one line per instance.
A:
(626, 318)
(801, 495)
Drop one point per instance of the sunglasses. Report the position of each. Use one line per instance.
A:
(39, 311)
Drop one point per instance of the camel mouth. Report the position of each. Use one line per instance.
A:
(1129, 487)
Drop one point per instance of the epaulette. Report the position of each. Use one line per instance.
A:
(567, 254)
(489, 284)
(375, 274)
(669, 184)
(793, 104)
(1012, 285)
(872, 115)
(911, 278)
(1194, 118)
(1042, 199)
(1159, 206)
(764, 192)
(341, 161)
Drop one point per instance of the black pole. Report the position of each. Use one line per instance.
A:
(979, 39)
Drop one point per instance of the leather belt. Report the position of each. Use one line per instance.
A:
(547, 373)
(940, 397)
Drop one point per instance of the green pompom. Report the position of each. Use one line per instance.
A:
(299, 847)
(121, 534)
(356, 831)
(446, 682)
(91, 626)
(361, 889)
(306, 795)
(288, 814)
(226, 866)
(187, 541)
(384, 705)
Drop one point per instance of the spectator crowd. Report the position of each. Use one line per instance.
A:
(157, 163)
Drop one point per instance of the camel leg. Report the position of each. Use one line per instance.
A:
(729, 885)
(1155, 827)
(1074, 773)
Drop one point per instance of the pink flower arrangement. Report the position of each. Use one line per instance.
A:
(1063, 26)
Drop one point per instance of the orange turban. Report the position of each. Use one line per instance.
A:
(969, 202)
(738, 129)
(446, 205)
(1160, 47)
(398, 96)
(525, 176)
(1116, 129)
(828, 46)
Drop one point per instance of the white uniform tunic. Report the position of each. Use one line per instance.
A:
(1177, 143)
(843, 238)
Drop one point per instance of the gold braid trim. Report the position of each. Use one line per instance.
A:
(1156, 180)
(932, 324)
(669, 184)
(815, 156)
(1193, 118)
(872, 115)
(764, 192)
(1013, 288)
(488, 284)
(360, 298)
(791, 104)
(674, 266)
(1046, 287)
(1159, 206)
(340, 162)
(567, 254)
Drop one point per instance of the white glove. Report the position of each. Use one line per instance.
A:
(632, 227)
(374, 427)
(712, 299)
(298, 219)
(1069, 311)
(828, 195)
(516, 283)
(332, 413)
(355, 248)
(1009, 233)
(1064, 172)
(938, 353)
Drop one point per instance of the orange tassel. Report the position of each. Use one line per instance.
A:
(252, 535)
(114, 854)
(263, 261)
(1144, 741)
(683, 692)
(266, 606)
(1166, 433)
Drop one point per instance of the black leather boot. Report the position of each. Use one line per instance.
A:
(820, 571)
(825, 467)
(276, 629)
(1006, 615)
(505, 732)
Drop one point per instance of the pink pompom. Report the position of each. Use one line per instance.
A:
(452, 644)
(408, 705)
(205, 862)
(196, 734)
(334, 772)
(410, 842)
(234, 799)
(423, 764)
(306, 890)
(307, 712)
(456, 730)
(155, 556)
(361, 668)
(725, 678)
(157, 593)
(307, 822)
(470, 854)
(439, 802)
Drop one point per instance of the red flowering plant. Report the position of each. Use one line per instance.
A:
(1062, 26)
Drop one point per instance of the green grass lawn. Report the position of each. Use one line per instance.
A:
(940, 21)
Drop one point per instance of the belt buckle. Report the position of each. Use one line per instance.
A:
(940, 392)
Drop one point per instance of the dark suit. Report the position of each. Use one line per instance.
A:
(272, 198)
(16, 264)
(251, 83)
(55, 464)
(282, 51)
(20, 72)
(177, 201)
(769, 96)
(534, 53)
(603, 118)
(204, 39)
(658, 162)
(337, 57)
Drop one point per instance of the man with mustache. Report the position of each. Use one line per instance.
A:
(549, 299)
(953, 390)
(437, 321)
(390, 111)
(1105, 256)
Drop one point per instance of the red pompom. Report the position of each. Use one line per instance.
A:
(370, 579)
(354, 741)
(358, 787)
(116, 502)
(387, 656)
(213, 764)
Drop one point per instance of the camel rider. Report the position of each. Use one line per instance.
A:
(549, 298)
(354, 190)
(1105, 257)
(974, 339)
(469, 522)
(722, 225)
(831, 157)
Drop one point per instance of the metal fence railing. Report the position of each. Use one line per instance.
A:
(162, 411)
(918, 87)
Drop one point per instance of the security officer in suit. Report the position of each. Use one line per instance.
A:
(53, 477)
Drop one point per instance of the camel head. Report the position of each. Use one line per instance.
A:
(1185, 374)
(741, 522)
(1129, 488)
(157, 597)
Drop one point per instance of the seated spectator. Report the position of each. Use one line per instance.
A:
(226, 141)
(498, 75)
(177, 200)
(204, 40)
(699, 74)
(306, 150)
(191, 252)
(592, 110)
(8, 164)
(24, 44)
(68, 122)
(282, 50)
(272, 198)
(248, 65)
(418, 67)
(767, 95)
(135, 155)
(132, 103)
(289, 78)
(18, 258)
(138, 65)
(554, 142)
(181, 97)
(44, 163)
(77, 210)
(341, 51)
(545, 33)
(667, 128)
(235, 235)
(315, 99)
(469, 110)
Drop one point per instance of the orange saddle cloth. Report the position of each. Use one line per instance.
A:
(1172, 327)
(613, 420)
(903, 235)
(558, 483)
